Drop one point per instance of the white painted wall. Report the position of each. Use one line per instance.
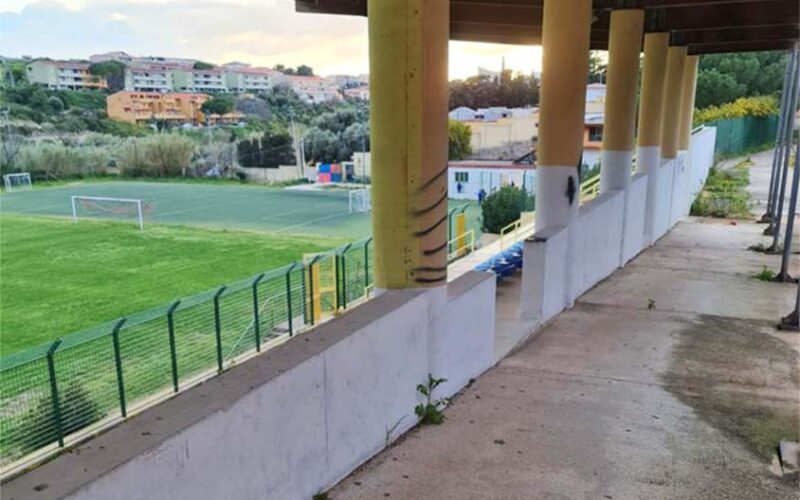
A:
(296, 419)
(633, 230)
(490, 179)
(701, 159)
(663, 202)
(598, 239)
(543, 291)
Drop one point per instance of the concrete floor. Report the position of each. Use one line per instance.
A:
(616, 400)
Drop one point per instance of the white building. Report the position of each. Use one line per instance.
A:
(149, 78)
(465, 179)
(313, 89)
(361, 93)
(246, 79)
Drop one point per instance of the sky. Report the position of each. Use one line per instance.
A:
(259, 32)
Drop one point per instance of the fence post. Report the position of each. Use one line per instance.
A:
(344, 276)
(303, 286)
(54, 392)
(311, 288)
(218, 327)
(118, 361)
(450, 227)
(172, 351)
(289, 296)
(366, 265)
(256, 325)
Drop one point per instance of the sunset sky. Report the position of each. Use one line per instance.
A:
(260, 32)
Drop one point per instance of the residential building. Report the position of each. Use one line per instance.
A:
(361, 93)
(313, 89)
(149, 78)
(498, 126)
(142, 107)
(120, 56)
(592, 139)
(73, 75)
(247, 79)
(348, 81)
(199, 80)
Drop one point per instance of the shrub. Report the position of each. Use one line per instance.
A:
(58, 161)
(160, 155)
(503, 207)
(744, 106)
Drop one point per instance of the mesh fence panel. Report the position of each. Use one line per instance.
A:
(737, 136)
(98, 374)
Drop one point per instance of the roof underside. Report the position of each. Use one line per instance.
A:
(705, 26)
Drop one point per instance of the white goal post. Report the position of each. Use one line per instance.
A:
(108, 207)
(360, 200)
(17, 182)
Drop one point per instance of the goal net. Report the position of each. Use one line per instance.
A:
(101, 207)
(360, 201)
(17, 182)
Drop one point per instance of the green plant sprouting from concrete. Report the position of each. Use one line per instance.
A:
(430, 412)
(766, 274)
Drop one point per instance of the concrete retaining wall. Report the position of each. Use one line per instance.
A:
(701, 159)
(543, 291)
(296, 419)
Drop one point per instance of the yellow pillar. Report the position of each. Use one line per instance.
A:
(565, 41)
(408, 106)
(687, 107)
(652, 93)
(673, 105)
(651, 104)
(624, 47)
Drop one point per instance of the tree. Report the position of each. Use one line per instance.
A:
(503, 207)
(459, 137)
(219, 105)
(112, 71)
(322, 145)
(597, 67)
(304, 70)
(723, 78)
(202, 65)
(510, 89)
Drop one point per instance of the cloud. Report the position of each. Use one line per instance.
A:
(263, 32)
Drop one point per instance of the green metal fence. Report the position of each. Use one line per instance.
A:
(737, 136)
(99, 376)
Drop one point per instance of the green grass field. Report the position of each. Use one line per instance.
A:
(58, 278)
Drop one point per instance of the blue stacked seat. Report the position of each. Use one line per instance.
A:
(505, 263)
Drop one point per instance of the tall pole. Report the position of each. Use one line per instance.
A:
(776, 156)
(789, 132)
(783, 276)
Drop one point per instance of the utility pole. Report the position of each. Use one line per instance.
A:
(296, 144)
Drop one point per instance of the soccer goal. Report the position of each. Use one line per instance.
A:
(17, 182)
(108, 208)
(360, 201)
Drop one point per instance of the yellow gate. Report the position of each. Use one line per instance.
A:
(321, 292)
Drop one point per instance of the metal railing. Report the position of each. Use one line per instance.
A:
(58, 394)
(461, 246)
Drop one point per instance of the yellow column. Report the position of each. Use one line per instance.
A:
(651, 104)
(673, 105)
(565, 41)
(624, 47)
(408, 105)
(687, 108)
(652, 93)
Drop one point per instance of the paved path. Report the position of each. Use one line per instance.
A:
(617, 400)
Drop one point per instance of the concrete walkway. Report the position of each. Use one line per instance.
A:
(667, 380)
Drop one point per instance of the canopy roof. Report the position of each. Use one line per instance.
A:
(705, 26)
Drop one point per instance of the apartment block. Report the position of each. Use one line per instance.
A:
(142, 107)
(247, 79)
(199, 80)
(314, 89)
(149, 78)
(72, 75)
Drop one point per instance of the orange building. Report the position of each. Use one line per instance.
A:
(141, 107)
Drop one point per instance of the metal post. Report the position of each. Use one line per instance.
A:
(289, 296)
(305, 303)
(366, 265)
(172, 350)
(218, 327)
(74, 210)
(767, 217)
(450, 227)
(141, 216)
(791, 322)
(51, 369)
(311, 289)
(787, 150)
(784, 276)
(118, 361)
(256, 325)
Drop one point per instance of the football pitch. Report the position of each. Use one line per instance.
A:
(57, 277)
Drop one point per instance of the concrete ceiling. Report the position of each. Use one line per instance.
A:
(706, 26)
